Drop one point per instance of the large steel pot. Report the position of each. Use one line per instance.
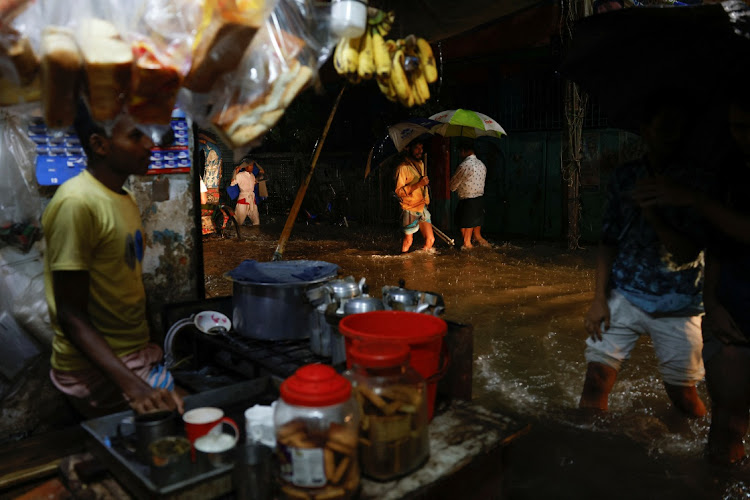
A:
(273, 311)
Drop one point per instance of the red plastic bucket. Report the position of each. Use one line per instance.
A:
(421, 332)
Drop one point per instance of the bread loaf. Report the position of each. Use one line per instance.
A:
(107, 62)
(60, 72)
(154, 88)
(240, 124)
(227, 29)
(219, 51)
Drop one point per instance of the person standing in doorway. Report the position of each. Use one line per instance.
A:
(246, 206)
(102, 357)
(649, 274)
(468, 181)
(414, 197)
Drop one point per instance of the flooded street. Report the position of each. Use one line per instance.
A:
(525, 302)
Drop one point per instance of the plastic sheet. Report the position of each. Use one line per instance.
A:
(293, 271)
(20, 203)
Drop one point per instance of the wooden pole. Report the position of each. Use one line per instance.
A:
(279, 253)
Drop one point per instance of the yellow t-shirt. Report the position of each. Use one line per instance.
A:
(89, 227)
(408, 174)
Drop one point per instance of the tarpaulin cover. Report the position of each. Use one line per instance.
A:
(292, 271)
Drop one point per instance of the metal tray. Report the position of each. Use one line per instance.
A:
(204, 480)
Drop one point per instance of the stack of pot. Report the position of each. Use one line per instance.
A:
(399, 298)
(335, 300)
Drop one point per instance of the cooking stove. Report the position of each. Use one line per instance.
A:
(204, 362)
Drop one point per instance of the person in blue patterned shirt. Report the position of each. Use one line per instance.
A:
(649, 274)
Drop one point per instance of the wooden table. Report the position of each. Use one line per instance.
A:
(467, 444)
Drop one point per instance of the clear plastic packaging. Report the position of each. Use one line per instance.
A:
(393, 438)
(283, 59)
(317, 421)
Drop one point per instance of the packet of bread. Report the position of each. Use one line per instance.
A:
(107, 62)
(227, 27)
(252, 106)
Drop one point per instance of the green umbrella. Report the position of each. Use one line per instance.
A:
(466, 123)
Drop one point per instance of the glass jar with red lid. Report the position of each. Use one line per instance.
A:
(393, 439)
(317, 421)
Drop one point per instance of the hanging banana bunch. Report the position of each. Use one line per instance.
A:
(403, 68)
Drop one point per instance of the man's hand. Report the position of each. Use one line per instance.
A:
(597, 314)
(156, 399)
(662, 191)
(423, 181)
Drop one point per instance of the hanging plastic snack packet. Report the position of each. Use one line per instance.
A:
(162, 44)
(282, 61)
(226, 29)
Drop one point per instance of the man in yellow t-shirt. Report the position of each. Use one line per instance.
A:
(411, 189)
(102, 357)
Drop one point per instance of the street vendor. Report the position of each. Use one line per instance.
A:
(411, 189)
(102, 357)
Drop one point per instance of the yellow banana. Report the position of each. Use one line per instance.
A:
(366, 65)
(420, 84)
(351, 54)
(427, 60)
(384, 84)
(338, 57)
(398, 78)
(380, 55)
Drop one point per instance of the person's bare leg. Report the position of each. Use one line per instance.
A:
(477, 231)
(466, 235)
(600, 379)
(406, 244)
(686, 400)
(728, 383)
(429, 237)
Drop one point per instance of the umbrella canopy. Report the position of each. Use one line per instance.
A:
(466, 123)
(625, 58)
(403, 133)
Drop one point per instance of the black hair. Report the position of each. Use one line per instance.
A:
(599, 3)
(85, 126)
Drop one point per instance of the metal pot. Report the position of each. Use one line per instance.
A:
(400, 298)
(275, 311)
(363, 304)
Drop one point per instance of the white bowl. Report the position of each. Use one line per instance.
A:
(212, 322)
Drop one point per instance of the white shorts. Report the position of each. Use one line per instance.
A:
(677, 341)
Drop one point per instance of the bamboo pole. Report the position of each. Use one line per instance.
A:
(279, 253)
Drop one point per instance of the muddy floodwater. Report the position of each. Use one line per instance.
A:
(525, 302)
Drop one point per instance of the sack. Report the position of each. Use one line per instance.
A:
(233, 191)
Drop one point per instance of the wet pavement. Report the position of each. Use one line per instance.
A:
(526, 302)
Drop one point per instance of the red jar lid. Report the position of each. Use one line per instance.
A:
(379, 354)
(315, 385)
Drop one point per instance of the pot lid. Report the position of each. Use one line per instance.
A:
(379, 354)
(344, 288)
(315, 385)
(362, 304)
